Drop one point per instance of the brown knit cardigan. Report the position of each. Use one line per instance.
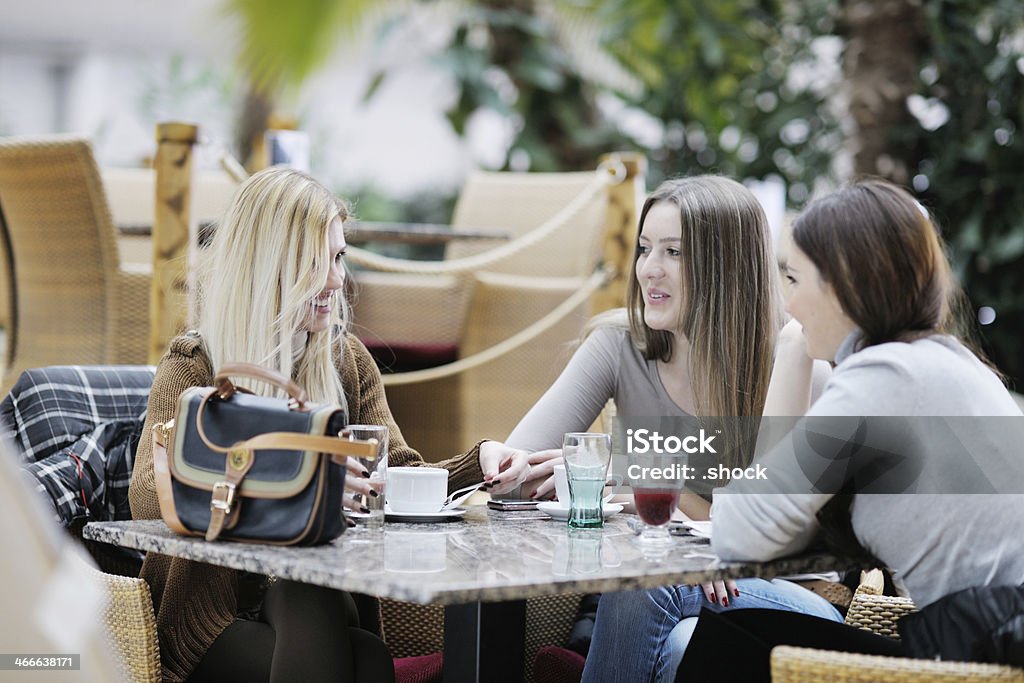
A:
(194, 601)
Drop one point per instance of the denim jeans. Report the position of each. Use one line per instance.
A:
(636, 639)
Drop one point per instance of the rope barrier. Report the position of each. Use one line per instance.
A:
(233, 168)
(602, 178)
(597, 280)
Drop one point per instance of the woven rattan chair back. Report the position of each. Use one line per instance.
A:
(130, 627)
(516, 203)
(477, 310)
(72, 303)
(495, 396)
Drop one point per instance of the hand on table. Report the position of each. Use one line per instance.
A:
(505, 468)
(540, 484)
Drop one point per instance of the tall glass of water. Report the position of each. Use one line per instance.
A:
(587, 456)
(378, 469)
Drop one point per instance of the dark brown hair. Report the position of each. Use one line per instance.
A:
(880, 252)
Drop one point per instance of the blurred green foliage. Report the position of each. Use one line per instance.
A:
(504, 57)
(969, 169)
(718, 87)
(736, 86)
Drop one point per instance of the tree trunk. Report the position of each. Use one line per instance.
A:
(881, 64)
(550, 116)
(253, 120)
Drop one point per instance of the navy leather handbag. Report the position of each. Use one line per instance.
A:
(241, 467)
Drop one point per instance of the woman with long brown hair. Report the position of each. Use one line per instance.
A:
(696, 339)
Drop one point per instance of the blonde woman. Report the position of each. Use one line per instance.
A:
(697, 338)
(271, 294)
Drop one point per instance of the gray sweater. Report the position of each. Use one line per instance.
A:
(935, 544)
(606, 365)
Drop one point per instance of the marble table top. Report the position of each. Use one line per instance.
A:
(486, 555)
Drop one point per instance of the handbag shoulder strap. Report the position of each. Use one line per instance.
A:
(226, 388)
(293, 441)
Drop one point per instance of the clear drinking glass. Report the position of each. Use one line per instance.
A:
(378, 469)
(657, 481)
(587, 456)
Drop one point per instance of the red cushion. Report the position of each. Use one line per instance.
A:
(423, 669)
(557, 665)
(408, 357)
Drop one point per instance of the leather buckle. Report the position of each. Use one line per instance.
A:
(223, 497)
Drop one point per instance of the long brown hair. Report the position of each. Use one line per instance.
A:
(731, 308)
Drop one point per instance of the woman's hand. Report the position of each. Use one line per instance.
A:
(791, 337)
(358, 486)
(540, 485)
(721, 592)
(505, 467)
(789, 390)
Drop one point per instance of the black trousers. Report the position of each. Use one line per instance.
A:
(305, 633)
(736, 645)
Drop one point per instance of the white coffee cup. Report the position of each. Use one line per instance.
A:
(416, 489)
(562, 492)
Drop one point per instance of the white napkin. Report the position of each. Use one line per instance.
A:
(701, 529)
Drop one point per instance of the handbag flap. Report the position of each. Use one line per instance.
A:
(274, 473)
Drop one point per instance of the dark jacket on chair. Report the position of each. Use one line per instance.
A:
(978, 624)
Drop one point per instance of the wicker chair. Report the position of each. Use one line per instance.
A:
(130, 627)
(496, 395)
(872, 611)
(72, 300)
(469, 311)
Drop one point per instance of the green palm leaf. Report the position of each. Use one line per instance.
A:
(282, 43)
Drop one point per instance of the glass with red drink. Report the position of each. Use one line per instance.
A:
(657, 480)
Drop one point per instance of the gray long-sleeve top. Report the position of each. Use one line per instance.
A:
(936, 543)
(606, 365)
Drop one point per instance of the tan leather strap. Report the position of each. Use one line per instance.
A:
(162, 477)
(225, 388)
(308, 442)
(222, 499)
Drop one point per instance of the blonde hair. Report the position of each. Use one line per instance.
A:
(732, 302)
(268, 259)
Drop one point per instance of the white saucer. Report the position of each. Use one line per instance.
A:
(421, 517)
(556, 510)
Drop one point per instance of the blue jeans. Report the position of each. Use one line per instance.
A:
(636, 639)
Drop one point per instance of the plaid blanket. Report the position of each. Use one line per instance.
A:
(76, 428)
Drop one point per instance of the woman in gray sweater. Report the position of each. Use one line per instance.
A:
(923, 440)
(697, 338)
